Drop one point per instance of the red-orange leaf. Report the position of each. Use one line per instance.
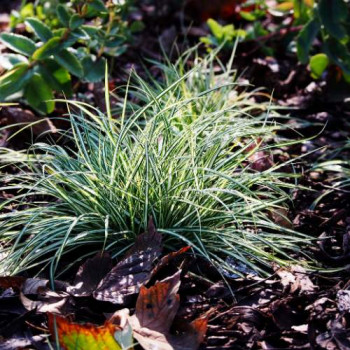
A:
(156, 308)
(73, 336)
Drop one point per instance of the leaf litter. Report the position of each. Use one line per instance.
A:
(98, 282)
(144, 302)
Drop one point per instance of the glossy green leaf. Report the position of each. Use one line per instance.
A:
(248, 16)
(206, 40)
(90, 30)
(62, 75)
(301, 11)
(38, 92)
(98, 5)
(115, 29)
(48, 49)
(9, 60)
(66, 59)
(346, 77)
(318, 64)
(56, 76)
(18, 43)
(333, 13)
(79, 33)
(63, 14)
(229, 32)
(215, 28)
(115, 41)
(27, 10)
(59, 32)
(93, 70)
(285, 6)
(70, 40)
(338, 53)
(41, 30)
(14, 80)
(137, 26)
(75, 22)
(116, 51)
(305, 39)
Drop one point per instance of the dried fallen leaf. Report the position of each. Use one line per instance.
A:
(14, 282)
(280, 217)
(16, 115)
(194, 335)
(50, 302)
(73, 336)
(90, 275)
(260, 161)
(23, 342)
(296, 279)
(155, 310)
(343, 300)
(126, 278)
(157, 306)
(165, 260)
(29, 285)
(34, 285)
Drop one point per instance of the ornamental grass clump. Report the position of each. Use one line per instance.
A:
(181, 154)
(337, 169)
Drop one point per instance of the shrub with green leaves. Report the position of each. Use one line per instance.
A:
(74, 40)
(181, 152)
(323, 39)
(222, 35)
(327, 22)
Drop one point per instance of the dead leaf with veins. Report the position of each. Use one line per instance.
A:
(296, 279)
(155, 311)
(134, 270)
(90, 275)
(34, 285)
(74, 336)
(48, 302)
(165, 260)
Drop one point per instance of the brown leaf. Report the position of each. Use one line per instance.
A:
(157, 306)
(34, 285)
(341, 333)
(90, 275)
(193, 337)
(199, 326)
(16, 115)
(165, 260)
(14, 282)
(27, 342)
(29, 285)
(283, 315)
(260, 161)
(126, 278)
(49, 302)
(343, 300)
(155, 311)
(296, 279)
(280, 217)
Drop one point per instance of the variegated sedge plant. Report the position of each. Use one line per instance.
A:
(338, 167)
(178, 151)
